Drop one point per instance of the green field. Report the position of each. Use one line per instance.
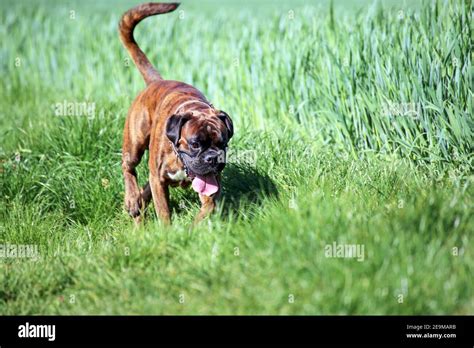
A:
(353, 125)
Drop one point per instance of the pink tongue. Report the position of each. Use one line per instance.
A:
(205, 185)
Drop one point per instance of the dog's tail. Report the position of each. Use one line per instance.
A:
(126, 26)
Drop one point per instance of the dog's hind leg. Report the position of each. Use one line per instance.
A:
(146, 194)
(160, 193)
(145, 199)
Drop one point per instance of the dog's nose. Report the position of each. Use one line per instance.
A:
(211, 158)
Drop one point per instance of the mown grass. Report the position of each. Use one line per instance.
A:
(308, 87)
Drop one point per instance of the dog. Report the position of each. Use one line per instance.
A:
(186, 136)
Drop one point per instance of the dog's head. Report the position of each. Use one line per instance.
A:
(201, 140)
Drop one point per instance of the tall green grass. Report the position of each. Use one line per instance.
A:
(316, 89)
(348, 80)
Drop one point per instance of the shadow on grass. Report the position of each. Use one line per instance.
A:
(243, 185)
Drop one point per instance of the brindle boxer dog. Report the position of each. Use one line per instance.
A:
(186, 135)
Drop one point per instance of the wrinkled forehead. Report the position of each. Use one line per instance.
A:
(205, 128)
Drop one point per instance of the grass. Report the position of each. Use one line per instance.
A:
(323, 94)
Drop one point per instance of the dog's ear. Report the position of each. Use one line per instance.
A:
(224, 117)
(174, 125)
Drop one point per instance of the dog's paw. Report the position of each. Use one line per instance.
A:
(133, 204)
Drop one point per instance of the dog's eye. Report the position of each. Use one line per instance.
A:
(195, 145)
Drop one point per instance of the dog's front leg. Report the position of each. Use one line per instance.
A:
(208, 204)
(133, 200)
(160, 195)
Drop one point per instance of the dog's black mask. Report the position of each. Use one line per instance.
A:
(201, 141)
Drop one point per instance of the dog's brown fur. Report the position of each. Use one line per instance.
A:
(145, 126)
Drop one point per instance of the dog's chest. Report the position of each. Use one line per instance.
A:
(178, 178)
(178, 175)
